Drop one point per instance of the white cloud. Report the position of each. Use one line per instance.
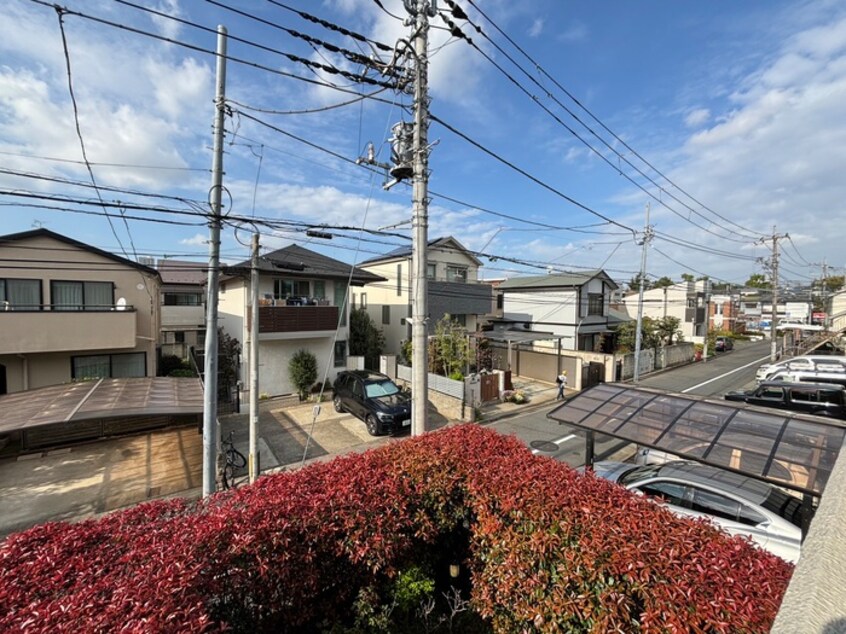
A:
(697, 117)
(537, 28)
(198, 239)
(168, 28)
(576, 32)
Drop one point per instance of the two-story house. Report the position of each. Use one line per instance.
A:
(453, 288)
(685, 300)
(70, 311)
(183, 321)
(303, 304)
(573, 307)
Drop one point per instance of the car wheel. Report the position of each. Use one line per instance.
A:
(372, 425)
(338, 406)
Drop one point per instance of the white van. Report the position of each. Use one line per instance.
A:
(835, 376)
(809, 363)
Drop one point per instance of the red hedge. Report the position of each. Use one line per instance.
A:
(549, 551)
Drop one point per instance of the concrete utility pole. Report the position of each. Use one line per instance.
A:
(253, 456)
(647, 238)
(824, 295)
(774, 281)
(420, 10)
(210, 430)
(706, 288)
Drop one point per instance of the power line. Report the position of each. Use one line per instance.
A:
(460, 14)
(98, 164)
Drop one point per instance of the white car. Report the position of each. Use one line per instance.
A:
(738, 504)
(810, 363)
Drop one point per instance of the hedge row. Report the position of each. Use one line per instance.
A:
(547, 550)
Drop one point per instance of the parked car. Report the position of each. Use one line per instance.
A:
(829, 348)
(373, 398)
(723, 344)
(820, 399)
(738, 504)
(804, 363)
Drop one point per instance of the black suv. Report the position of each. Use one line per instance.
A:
(375, 399)
(810, 398)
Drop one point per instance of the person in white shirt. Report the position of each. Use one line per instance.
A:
(561, 380)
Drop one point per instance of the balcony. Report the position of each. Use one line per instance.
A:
(28, 332)
(291, 319)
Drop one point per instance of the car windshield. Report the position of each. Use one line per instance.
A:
(384, 387)
(638, 474)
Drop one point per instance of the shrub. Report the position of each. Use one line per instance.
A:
(349, 545)
(302, 369)
(514, 396)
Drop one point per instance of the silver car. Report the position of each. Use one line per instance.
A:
(737, 504)
(809, 363)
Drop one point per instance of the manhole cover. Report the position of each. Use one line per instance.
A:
(544, 445)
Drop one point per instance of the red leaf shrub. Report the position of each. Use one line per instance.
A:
(549, 550)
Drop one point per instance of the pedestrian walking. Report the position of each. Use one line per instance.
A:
(561, 380)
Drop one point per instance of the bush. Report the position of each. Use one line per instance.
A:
(302, 369)
(349, 545)
(514, 396)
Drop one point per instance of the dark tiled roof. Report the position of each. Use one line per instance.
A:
(182, 272)
(553, 281)
(296, 261)
(447, 242)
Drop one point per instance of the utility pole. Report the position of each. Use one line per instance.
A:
(210, 430)
(253, 456)
(774, 281)
(824, 294)
(706, 288)
(420, 10)
(647, 238)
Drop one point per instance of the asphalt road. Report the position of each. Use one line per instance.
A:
(726, 371)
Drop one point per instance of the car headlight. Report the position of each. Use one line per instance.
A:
(385, 417)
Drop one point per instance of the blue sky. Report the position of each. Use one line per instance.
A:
(739, 105)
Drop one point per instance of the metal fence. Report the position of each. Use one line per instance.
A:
(438, 383)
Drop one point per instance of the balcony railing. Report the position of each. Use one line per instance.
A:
(32, 329)
(275, 319)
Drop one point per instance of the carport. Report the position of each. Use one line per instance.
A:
(75, 412)
(793, 451)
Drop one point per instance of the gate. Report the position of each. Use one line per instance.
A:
(592, 374)
(490, 387)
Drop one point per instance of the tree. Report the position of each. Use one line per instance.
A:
(365, 339)
(626, 333)
(687, 277)
(663, 282)
(758, 280)
(228, 359)
(634, 283)
(449, 350)
(667, 328)
(831, 284)
(302, 368)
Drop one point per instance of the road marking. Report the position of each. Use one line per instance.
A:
(558, 442)
(743, 367)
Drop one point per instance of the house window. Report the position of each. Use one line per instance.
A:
(82, 295)
(283, 289)
(340, 354)
(461, 320)
(500, 301)
(431, 269)
(456, 274)
(109, 366)
(595, 304)
(20, 294)
(341, 302)
(386, 314)
(352, 301)
(179, 336)
(363, 300)
(399, 279)
(183, 299)
(319, 289)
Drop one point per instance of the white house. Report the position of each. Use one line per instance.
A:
(575, 306)
(684, 300)
(303, 304)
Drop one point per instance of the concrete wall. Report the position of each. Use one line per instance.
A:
(675, 355)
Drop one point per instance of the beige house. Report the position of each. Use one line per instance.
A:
(683, 300)
(453, 288)
(183, 307)
(303, 304)
(70, 312)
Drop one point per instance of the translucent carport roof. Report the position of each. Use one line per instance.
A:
(791, 450)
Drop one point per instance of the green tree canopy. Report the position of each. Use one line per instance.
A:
(449, 349)
(634, 283)
(663, 282)
(758, 280)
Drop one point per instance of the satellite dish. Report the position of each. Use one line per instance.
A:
(121, 304)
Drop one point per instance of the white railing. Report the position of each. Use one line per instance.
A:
(438, 383)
